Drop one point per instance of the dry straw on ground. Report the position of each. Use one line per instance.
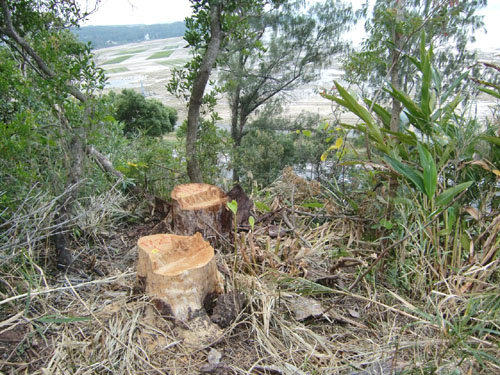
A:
(298, 317)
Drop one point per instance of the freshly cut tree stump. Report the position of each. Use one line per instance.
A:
(200, 208)
(178, 271)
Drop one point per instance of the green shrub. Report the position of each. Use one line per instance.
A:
(148, 116)
(264, 154)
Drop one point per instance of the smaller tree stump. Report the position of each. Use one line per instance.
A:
(200, 208)
(178, 271)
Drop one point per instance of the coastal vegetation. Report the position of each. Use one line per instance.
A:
(373, 243)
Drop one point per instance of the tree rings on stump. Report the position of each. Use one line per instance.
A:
(178, 271)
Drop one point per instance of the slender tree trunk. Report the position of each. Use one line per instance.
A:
(198, 90)
(395, 67)
(235, 109)
(237, 138)
(396, 83)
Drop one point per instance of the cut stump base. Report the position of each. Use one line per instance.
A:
(179, 271)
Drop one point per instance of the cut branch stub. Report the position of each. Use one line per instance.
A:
(199, 208)
(178, 271)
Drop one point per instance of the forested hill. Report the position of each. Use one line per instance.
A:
(104, 36)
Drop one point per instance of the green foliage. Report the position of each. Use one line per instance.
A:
(449, 24)
(139, 114)
(213, 147)
(265, 154)
(434, 152)
(269, 43)
(34, 133)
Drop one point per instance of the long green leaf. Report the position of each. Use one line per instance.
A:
(381, 112)
(494, 140)
(415, 62)
(452, 87)
(361, 112)
(408, 172)
(407, 102)
(409, 139)
(430, 173)
(493, 93)
(446, 196)
(335, 99)
(425, 95)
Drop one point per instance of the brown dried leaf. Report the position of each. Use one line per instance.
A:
(474, 212)
(304, 308)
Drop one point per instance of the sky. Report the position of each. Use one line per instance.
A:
(126, 12)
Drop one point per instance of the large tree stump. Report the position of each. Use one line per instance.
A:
(200, 208)
(178, 271)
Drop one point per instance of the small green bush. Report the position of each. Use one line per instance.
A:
(265, 153)
(141, 115)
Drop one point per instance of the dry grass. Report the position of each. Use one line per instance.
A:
(69, 324)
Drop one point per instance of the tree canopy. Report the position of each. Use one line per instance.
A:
(139, 114)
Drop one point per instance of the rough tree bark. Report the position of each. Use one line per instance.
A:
(395, 67)
(200, 208)
(198, 90)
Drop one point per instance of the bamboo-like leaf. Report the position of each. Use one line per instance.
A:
(360, 111)
(447, 196)
(493, 93)
(335, 99)
(415, 62)
(381, 112)
(491, 139)
(407, 102)
(409, 139)
(425, 96)
(408, 172)
(436, 78)
(452, 87)
(429, 167)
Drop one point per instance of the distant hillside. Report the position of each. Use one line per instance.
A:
(106, 36)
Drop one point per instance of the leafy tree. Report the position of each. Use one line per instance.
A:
(53, 108)
(212, 23)
(282, 49)
(140, 114)
(205, 34)
(393, 32)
